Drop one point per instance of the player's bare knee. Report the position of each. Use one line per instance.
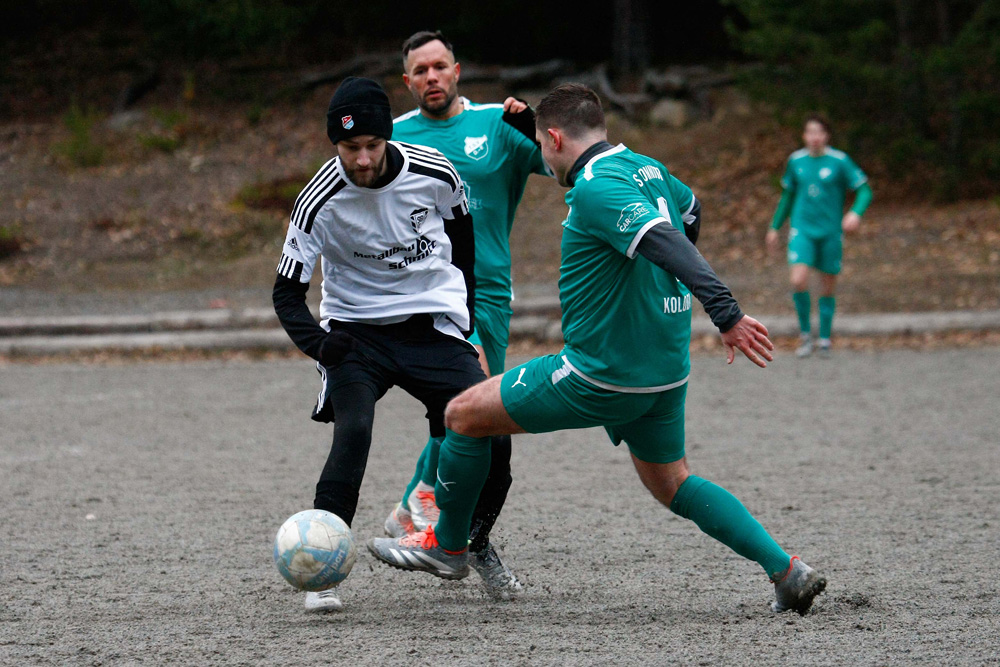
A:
(672, 477)
(459, 415)
(453, 414)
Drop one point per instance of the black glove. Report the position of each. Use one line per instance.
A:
(337, 345)
(523, 122)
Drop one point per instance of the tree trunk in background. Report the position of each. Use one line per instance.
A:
(630, 55)
(912, 109)
(954, 141)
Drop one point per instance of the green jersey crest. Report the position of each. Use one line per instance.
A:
(477, 147)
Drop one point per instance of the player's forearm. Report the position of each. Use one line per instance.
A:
(862, 198)
(289, 297)
(665, 246)
(784, 209)
(463, 256)
(692, 221)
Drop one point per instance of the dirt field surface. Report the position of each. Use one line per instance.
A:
(140, 502)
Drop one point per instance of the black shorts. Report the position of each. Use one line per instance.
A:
(431, 366)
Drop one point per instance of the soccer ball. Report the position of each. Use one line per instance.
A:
(314, 550)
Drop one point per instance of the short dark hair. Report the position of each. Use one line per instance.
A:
(573, 107)
(418, 39)
(817, 117)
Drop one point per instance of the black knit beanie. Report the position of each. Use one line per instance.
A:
(359, 106)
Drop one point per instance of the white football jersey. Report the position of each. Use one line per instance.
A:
(385, 254)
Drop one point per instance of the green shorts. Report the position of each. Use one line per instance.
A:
(492, 332)
(823, 253)
(544, 395)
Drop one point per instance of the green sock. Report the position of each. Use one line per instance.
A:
(827, 306)
(463, 466)
(721, 515)
(430, 459)
(802, 306)
(419, 472)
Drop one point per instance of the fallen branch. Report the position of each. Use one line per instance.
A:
(633, 104)
(377, 64)
(142, 82)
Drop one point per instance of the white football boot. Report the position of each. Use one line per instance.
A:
(323, 601)
(423, 506)
(805, 347)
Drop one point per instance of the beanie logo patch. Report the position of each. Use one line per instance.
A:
(347, 122)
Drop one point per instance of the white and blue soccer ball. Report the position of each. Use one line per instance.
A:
(314, 550)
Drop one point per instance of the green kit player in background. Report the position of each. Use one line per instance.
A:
(493, 149)
(815, 183)
(629, 270)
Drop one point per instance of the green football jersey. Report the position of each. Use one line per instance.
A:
(819, 185)
(626, 321)
(494, 161)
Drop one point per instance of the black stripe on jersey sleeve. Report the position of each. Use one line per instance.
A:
(460, 210)
(433, 172)
(290, 268)
(314, 211)
(431, 157)
(440, 163)
(423, 150)
(317, 185)
(323, 175)
(312, 199)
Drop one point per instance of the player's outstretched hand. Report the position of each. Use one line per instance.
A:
(750, 337)
(514, 105)
(771, 239)
(337, 345)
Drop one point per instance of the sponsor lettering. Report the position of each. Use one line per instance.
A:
(676, 304)
(475, 204)
(630, 214)
(385, 253)
(647, 173)
(425, 248)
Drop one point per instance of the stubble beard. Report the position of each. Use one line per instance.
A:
(366, 178)
(441, 109)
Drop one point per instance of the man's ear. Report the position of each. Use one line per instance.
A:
(458, 71)
(556, 137)
(406, 80)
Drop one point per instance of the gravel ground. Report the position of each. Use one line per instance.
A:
(140, 502)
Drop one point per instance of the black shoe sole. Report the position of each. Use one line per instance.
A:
(806, 599)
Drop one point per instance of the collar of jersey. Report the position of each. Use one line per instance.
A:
(589, 157)
(388, 186)
(825, 153)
